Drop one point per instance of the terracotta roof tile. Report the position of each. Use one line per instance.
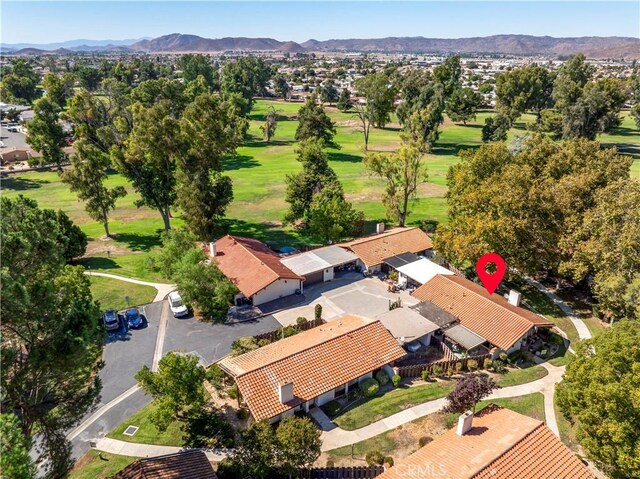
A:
(489, 316)
(315, 361)
(250, 264)
(372, 250)
(191, 464)
(501, 444)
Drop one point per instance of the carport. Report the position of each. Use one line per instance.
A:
(419, 272)
(319, 265)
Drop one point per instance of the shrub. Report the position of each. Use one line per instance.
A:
(332, 408)
(242, 413)
(424, 440)
(503, 357)
(436, 370)
(388, 460)
(233, 392)
(458, 366)
(330, 463)
(375, 458)
(425, 375)
(487, 363)
(472, 364)
(396, 380)
(289, 331)
(318, 312)
(243, 345)
(382, 377)
(354, 394)
(215, 376)
(369, 387)
(301, 320)
(208, 429)
(498, 366)
(263, 342)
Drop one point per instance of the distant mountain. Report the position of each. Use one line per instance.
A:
(177, 42)
(72, 44)
(593, 47)
(39, 51)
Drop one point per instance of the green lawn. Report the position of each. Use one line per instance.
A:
(147, 432)
(396, 400)
(522, 376)
(91, 466)
(111, 293)
(531, 405)
(567, 430)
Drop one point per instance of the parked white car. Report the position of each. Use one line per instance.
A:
(178, 308)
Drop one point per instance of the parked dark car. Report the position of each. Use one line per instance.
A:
(133, 318)
(110, 320)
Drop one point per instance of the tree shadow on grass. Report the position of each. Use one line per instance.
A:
(260, 143)
(22, 184)
(98, 262)
(271, 234)
(238, 162)
(345, 157)
(630, 149)
(140, 242)
(279, 117)
(450, 149)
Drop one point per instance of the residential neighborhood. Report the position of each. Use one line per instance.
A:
(264, 240)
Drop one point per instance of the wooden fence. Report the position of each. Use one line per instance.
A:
(415, 370)
(361, 472)
(280, 333)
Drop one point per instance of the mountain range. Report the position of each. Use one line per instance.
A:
(592, 47)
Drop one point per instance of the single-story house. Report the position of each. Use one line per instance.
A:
(20, 154)
(311, 368)
(407, 325)
(188, 464)
(373, 250)
(320, 264)
(496, 443)
(418, 272)
(255, 270)
(502, 324)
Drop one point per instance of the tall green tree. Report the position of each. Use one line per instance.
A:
(20, 84)
(522, 204)
(496, 128)
(402, 171)
(45, 133)
(246, 77)
(313, 122)
(281, 87)
(570, 81)
(59, 88)
(463, 104)
(72, 241)
(177, 387)
(332, 218)
(599, 392)
(605, 247)
(209, 130)
(449, 74)
(51, 335)
(329, 92)
(378, 90)
(270, 124)
(86, 178)
(526, 88)
(344, 101)
(150, 155)
(316, 177)
(298, 444)
(15, 461)
(194, 65)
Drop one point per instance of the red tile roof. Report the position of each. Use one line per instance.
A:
(191, 464)
(489, 316)
(501, 444)
(372, 250)
(315, 361)
(250, 264)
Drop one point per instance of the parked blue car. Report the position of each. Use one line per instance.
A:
(110, 320)
(133, 318)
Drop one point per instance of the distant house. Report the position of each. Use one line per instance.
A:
(255, 270)
(496, 443)
(373, 250)
(320, 264)
(190, 464)
(478, 318)
(15, 154)
(311, 368)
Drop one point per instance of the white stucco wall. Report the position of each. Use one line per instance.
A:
(328, 274)
(426, 340)
(277, 289)
(326, 397)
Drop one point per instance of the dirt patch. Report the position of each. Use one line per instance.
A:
(105, 245)
(425, 190)
(228, 407)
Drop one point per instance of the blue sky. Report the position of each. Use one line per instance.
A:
(42, 22)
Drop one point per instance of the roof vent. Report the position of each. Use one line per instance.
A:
(465, 422)
(514, 297)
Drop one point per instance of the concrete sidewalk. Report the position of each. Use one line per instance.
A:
(163, 289)
(133, 449)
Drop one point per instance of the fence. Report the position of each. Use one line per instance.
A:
(280, 333)
(415, 370)
(446, 350)
(361, 472)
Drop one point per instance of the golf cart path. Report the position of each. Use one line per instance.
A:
(163, 289)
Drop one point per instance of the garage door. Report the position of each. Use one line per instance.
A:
(313, 278)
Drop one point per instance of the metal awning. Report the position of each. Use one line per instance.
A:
(318, 260)
(463, 336)
(400, 260)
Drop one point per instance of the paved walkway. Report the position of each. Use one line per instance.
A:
(162, 288)
(123, 448)
(581, 327)
(337, 437)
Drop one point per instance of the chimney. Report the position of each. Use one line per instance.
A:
(212, 249)
(286, 392)
(379, 228)
(465, 421)
(514, 297)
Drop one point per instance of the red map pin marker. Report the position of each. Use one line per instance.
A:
(491, 281)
